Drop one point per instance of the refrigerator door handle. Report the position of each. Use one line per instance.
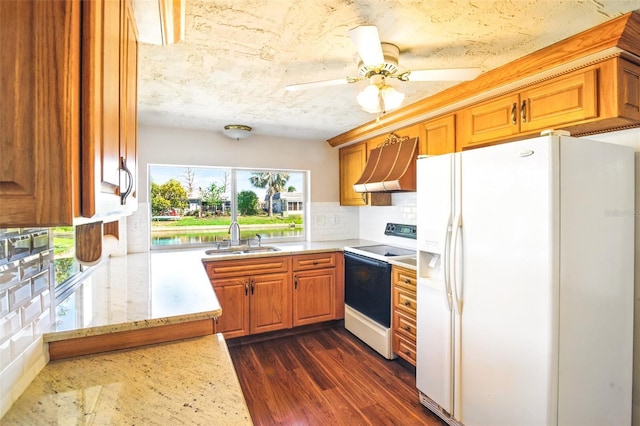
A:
(453, 253)
(446, 265)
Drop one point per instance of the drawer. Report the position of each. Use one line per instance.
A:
(405, 300)
(404, 324)
(405, 348)
(313, 261)
(404, 277)
(244, 267)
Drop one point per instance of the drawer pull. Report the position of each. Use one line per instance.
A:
(407, 303)
(407, 328)
(315, 262)
(406, 281)
(407, 353)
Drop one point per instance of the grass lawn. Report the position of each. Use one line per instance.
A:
(226, 220)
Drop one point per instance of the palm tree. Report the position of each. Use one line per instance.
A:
(272, 181)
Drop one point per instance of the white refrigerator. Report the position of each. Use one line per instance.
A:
(525, 283)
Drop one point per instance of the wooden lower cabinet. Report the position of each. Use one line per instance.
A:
(268, 294)
(254, 304)
(404, 313)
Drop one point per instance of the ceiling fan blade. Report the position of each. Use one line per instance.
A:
(367, 40)
(450, 74)
(315, 84)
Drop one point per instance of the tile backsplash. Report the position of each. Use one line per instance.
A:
(26, 307)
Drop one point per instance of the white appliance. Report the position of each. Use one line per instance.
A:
(525, 283)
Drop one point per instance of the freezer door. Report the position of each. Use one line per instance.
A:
(434, 316)
(508, 287)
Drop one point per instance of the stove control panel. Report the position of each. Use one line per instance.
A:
(400, 230)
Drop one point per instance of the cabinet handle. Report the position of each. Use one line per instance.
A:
(407, 303)
(295, 283)
(407, 353)
(364, 197)
(407, 328)
(253, 285)
(406, 280)
(246, 287)
(315, 262)
(523, 111)
(127, 192)
(514, 117)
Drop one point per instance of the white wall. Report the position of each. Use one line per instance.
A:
(158, 145)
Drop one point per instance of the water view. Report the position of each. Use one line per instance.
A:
(181, 236)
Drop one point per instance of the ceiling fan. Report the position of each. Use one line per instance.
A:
(378, 63)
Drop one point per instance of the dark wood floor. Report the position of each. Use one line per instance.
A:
(325, 377)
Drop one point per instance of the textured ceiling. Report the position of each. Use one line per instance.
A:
(238, 55)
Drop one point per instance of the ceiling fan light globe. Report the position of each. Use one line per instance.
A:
(391, 97)
(368, 99)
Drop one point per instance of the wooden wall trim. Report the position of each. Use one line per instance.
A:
(622, 32)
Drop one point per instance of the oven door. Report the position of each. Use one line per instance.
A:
(367, 285)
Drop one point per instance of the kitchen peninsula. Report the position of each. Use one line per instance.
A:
(189, 379)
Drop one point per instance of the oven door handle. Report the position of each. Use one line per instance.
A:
(367, 260)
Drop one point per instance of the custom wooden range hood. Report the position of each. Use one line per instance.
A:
(391, 166)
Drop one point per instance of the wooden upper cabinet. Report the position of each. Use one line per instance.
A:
(68, 105)
(109, 79)
(353, 158)
(563, 100)
(438, 136)
(39, 125)
(129, 109)
(490, 120)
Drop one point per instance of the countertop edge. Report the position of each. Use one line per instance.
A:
(57, 336)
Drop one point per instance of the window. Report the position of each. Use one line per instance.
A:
(196, 205)
(67, 271)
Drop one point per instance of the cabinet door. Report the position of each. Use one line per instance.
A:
(438, 136)
(270, 303)
(352, 162)
(488, 121)
(314, 296)
(129, 109)
(39, 125)
(100, 107)
(564, 100)
(233, 295)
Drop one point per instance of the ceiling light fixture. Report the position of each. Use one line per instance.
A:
(378, 97)
(237, 131)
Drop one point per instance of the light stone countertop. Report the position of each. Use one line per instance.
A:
(185, 382)
(137, 291)
(188, 381)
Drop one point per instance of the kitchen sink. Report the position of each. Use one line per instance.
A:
(226, 251)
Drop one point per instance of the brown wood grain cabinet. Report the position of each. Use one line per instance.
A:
(600, 96)
(404, 313)
(353, 158)
(255, 295)
(109, 132)
(314, 288)
(438, 136)
(63, 109)
(277, 292)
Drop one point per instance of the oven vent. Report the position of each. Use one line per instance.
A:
(391, 166)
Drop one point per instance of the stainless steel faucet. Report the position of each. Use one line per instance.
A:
(234, 232)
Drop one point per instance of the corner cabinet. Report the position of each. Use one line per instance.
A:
(64, 108)
(404, 313)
